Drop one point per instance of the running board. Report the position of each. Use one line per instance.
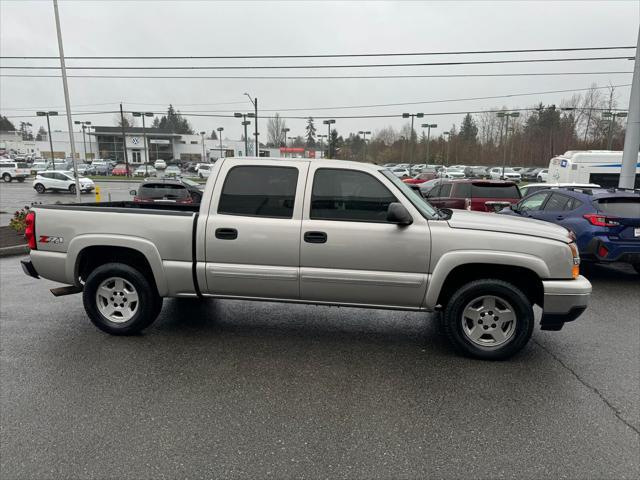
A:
(68, 290)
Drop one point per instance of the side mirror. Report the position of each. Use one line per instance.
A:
(133, 192)
(398, 214)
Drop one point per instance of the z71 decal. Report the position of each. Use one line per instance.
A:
(48, 239)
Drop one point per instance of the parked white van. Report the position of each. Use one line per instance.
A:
(589, 166)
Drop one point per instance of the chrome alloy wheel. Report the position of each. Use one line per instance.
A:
(489, 321)
(117, 300)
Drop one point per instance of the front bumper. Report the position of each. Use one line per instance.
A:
(564, 301)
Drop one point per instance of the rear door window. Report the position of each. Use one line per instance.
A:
(480, 190)
(445, 190)
(626, 207)
(534, 202)
(258, 191)
(557, 203)
(462, 190)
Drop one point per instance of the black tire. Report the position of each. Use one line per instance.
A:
(453, 321)
(40, 188)
(20, 180)
(72, 189)
(636, 267)
(7, 178)
(150, 303)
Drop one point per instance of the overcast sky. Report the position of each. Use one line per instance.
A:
(255, 28)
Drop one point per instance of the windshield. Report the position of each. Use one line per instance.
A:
(416, 200)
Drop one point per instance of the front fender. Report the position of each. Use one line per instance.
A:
(145, 247)
(451, 260)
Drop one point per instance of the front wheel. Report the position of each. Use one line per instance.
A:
(7, 178)
(120, 300)
(488, 319)
(40, 188)
(72, 189)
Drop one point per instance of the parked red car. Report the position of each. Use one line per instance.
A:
(468, 194)
(422, 177)
(121, 170)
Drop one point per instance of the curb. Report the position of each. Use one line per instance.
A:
(14, 250)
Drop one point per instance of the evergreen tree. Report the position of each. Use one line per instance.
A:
(174, 122)
(6, 125)
(468, 130)
(311, 133)
(214, 135)
(42, 134)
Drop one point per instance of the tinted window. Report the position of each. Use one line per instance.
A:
(46, 175)
(620, 207)
(557, 202)
(573, 203)
(445, 189)
(534, 202)
(431, 191)
(259, 191)
(349, 195)
(22, 165)
(161, 190)
(462, 190)
(479, 190)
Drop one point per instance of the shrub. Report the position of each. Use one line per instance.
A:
(18, 220)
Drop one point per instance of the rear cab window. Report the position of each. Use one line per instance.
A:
(159, 190)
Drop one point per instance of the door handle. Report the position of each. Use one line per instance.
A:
(560, 217)
(315, 237)
(226, 233)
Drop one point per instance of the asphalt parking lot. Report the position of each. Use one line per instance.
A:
(220, 389)
(15, 195)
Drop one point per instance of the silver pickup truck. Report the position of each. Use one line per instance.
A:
(313, 231)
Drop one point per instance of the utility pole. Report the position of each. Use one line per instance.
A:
(203, 152)
(632, 136)
(124, 141)
(412, 139)
(506, 116)
(47, 114)
(612, 116)
(428, 126)
(67, 103)
(364, 139)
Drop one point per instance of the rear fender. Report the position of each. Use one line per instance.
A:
(145, 247)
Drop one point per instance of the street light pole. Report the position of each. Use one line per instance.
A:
(284, 133)
(84, 140)
(47, 114)
(220, 130)
(447, 157)
(144, 139)
(321, 137)
(412, 135)
(67, 102)
(364, 139)
(254, 101)
(612, 116)
(328, 123)
(428, 126)
(202, 134)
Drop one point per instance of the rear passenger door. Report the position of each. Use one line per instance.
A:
(253, 230)
(349, 253)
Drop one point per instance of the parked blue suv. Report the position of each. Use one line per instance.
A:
(606, 222)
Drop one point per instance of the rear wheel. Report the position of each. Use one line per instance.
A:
(488, 319)
(120, 300)
(40, 188)
(72, 189)
(7, 178)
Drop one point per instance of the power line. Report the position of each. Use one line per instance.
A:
(333, 55)
(357, 65)
(344, 107)
(26, 109)
(320, 77)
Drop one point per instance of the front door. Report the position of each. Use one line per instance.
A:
(349, 253)
(253, 230)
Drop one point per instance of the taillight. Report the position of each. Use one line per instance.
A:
(30, 230)
(601, 220)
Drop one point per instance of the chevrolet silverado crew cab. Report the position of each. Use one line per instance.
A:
(313, 231)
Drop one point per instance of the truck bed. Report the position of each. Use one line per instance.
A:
(128, 207)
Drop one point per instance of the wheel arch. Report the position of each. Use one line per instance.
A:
(454, 269)
(87, 252)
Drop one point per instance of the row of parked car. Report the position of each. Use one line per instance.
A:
(428, 172)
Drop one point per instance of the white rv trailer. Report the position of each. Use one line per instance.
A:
(589, 166)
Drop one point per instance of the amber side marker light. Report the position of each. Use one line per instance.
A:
(575, 270)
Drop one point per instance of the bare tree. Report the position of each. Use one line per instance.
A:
(387, 135)
(275, 134)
